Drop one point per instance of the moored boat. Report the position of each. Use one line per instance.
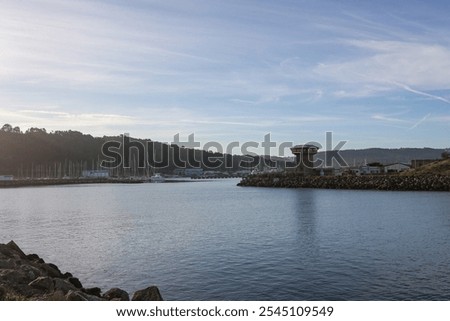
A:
(157, 178)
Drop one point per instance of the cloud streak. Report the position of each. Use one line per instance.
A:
(421, 93)
(420, 121)
(391, 63)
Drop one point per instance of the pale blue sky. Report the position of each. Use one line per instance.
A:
(375, 73)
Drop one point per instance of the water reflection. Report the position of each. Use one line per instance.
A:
(305, 205)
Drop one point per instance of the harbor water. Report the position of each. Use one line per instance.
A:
(213, 240)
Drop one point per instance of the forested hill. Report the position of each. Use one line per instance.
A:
(35, 147)
(38, 153)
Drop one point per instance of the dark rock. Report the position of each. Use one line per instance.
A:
(149, 294)
(7, 264)
(54, 267)
(63, 285)
(30, 271)
(91, 297)
(75, 296)
(2, 293)
(51, 271)
(54, 296)
(67, 275)
(93, 291)
(13, 277)
(116, 294)
(33, 258)
(8, 253)
(13, 246)
(43, 283)
(75, 282)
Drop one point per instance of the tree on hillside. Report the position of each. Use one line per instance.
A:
(7, 128)
(36, 130)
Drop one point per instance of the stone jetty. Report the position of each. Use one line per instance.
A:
(29, 277)
(366, 182)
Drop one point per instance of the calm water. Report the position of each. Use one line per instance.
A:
(216, 241)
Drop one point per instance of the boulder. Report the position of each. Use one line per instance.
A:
(93, 291)
(13, 277)
(67, 275)
(56, 269)
(7, 264)
(2, 293)
(63, 285)
(13, 246)
(30, 271)
(34, 258)
(7, 253)
(149, 294)
(43, 283)
(75, 296)
(75, 282)
(116, 294)
(51, 271)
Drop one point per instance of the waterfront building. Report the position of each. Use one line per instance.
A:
(396, 168)
(304, 155)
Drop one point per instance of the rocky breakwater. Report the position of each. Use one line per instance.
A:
(28, 277)
(373, 182)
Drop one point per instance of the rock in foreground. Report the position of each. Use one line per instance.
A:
(28, 277)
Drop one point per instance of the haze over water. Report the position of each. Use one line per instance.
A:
(213, 240)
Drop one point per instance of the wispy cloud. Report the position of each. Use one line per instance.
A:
(390, 65)
(407, 124)
(421, 93)
(420, 121)
(389, 119)
(64, 120)
(45, 112)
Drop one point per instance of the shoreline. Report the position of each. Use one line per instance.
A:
(17, 183)
(439, 183)
(62, 181)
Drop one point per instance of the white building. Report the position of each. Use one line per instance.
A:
(396, 168)
(6, 177)
(369, 170)
(95, 174)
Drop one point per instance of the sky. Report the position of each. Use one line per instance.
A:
(374, 73)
